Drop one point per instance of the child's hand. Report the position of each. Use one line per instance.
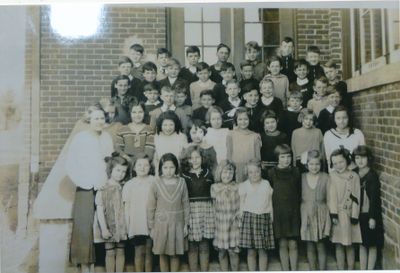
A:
(106, 234)
(185, 231)
(372, 223)
(104, 102)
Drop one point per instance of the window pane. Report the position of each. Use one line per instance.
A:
(396, 33)
(192, 34)
(378, 32)
(367, 35)
(271, 34)
(252, 15)
(269, 51)
(211, 14)
(212, 33)
(193, 14)
(253, 32)
(210, 56)
(271, 14)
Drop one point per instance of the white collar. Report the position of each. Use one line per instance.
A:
(290, 109)
(266, 101)
(224, 82)
(165, 108)
(302, 82)
(235, 102)
(136, 65)
(330, 108)
(192, 69)
(157, 102)
(172, 81)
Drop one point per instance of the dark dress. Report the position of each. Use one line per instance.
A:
(269, 143)
(286, 201)
(325, 121)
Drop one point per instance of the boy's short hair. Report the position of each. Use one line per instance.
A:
(322, 79)
(213, 109)
(295, 95)
(163, 50)
(166, 89)
(287, 39)
(268, 114)
(226, 66)
(301, 62)
(192, 49)
(332, 89)
(330, 64)
(180, 88)
(201, 66)
(313, 49)
(208, 92)
(138, 48)
(254, 45)
(274, 59)
(122, 78)
(221, 45)
(245, 63)
(305, 112)
(173, 61)
(264, 81)
(233, 81)
(124, 60)
(149, 66)
(282, 149)
(150, 87)
(250, 86)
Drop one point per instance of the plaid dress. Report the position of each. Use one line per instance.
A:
(226, 204)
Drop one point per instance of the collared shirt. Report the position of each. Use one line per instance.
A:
(330, 108)
(294, 110)
(136, 65)
(235, 102)
(302, 82)
(192, 69)
(165, 108)
(157, 102)
(172, 80)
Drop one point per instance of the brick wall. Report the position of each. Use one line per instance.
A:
(75, 74)
(377, 113)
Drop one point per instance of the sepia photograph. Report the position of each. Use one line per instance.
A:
(190, 136)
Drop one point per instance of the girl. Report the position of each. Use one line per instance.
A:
(315, 221)
(343, 202)
(201, 218)
(216, 135)
(168, 214)
(86, 168)
(286, 197)
(306, 138)
(135, 196)
(343, 135)
(371, 208)
(135, 137)
(242, 144)
(110, 214)
(226, 200)
(169, 137)
(256, 231)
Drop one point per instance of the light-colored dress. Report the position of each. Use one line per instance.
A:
(315, 220)
(344, 203)
(174, 143)
(167, 215)
(217, 138)
(135, 197)
(304, 140)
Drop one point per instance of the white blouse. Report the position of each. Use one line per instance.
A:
(256, 198)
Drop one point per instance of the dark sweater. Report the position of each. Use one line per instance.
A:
(200, 113)
(288, 123)
(199, 186)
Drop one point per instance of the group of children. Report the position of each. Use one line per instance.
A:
(242, 164)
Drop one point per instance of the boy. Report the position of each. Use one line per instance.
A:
(125, 67)
(151, 93)
(319, 100)
(136, 52)
(247, 71)
(326, 119)
(312, 57)
(123, 101)
(168, 98)
(331, 72)
(268, 101)
(302, 84)
(203, 83)
(251, 98)
(253, 51)
(206, 101)
(286, 54)
(149, 72)
(223, 53)
(189, 73)
(288, 121)
(181, 98)
(227, 73)
(281, 82)
(172, 80)
(163, 56)
(230, 103)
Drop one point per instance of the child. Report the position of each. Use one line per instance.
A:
(270, 139)
(123, 101)
(135, 197)
(312, 57)
(247, 78)
(203, 83)
(110, 214)
(136, 52)
(286, 54)
(286, 182)
(230, 104)
(226, 200)
(181, 99)
(344, 134)
(151, 93)
(325, 120)
(135, 137)
(319, 100)
(251, 97)
(223, 52)
(344, 207)
(256, 231)
(163, 56)
(227, 72)
(253, 51)
(315, 221)
(305, 139)
(189, 73)
(206, 101)
(331, 72)
(242, 144)
(371, 208)
(281, 82)
(125, 67)
(268, 100)
(198, 176)
(216, 135)
(289, 119)
(168, 214)
(302, 84)
(149, 72)
(172, 68)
